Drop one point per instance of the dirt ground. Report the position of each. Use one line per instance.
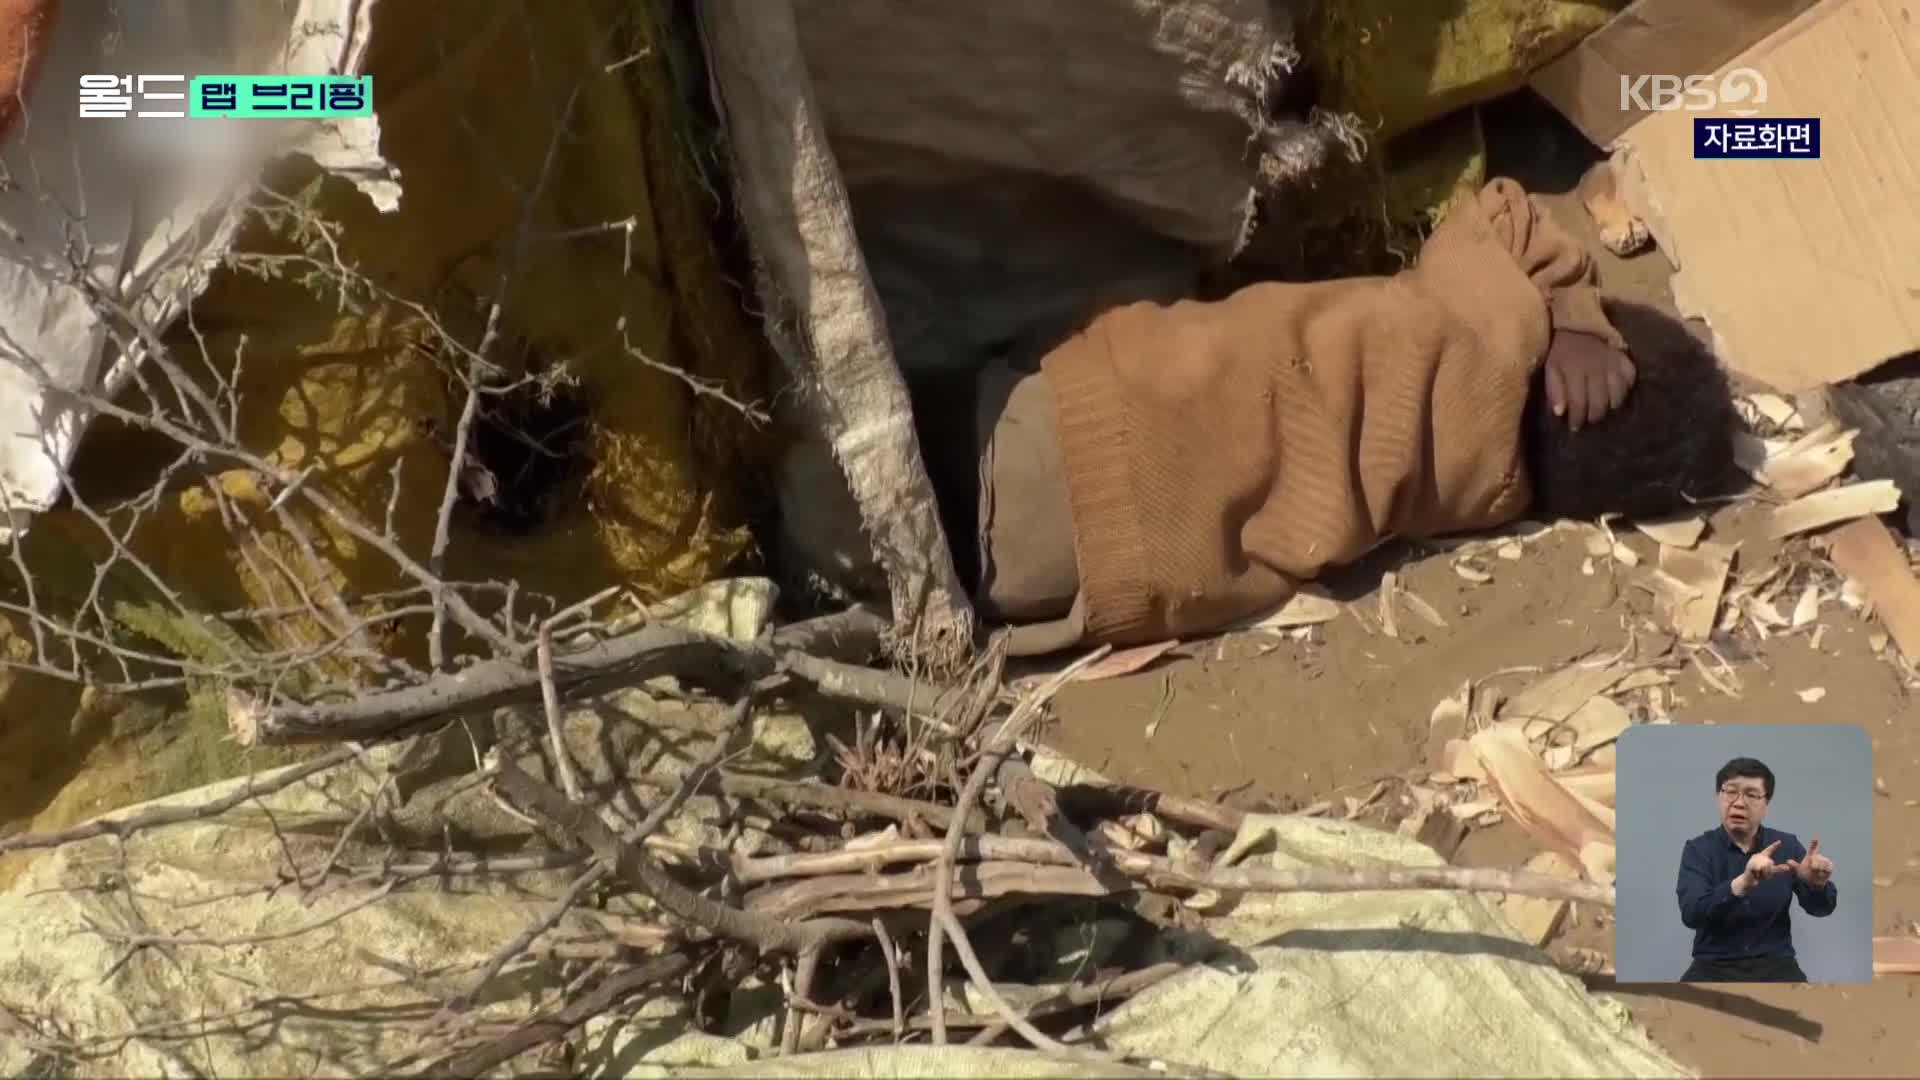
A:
(1321, 720)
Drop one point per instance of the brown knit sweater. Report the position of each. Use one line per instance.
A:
(1218, 454)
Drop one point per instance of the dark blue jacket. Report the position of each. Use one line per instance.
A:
(1726, 926)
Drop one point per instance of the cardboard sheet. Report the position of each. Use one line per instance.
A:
(1652, 37)
(1806, 270)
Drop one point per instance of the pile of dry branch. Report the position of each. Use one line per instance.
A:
(934, 833)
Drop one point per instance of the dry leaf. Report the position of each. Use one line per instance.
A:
(1558, 758)
(1812, 694)
(1871, 558)
(1833, 506)
(1674, 532)
(1124, 662)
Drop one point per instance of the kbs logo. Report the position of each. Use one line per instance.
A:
(1741, 90)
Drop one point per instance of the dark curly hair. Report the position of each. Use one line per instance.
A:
(1672, 440)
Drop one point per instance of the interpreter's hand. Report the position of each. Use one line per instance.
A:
(1761, 866)
(1586, 377)
(1816, 869)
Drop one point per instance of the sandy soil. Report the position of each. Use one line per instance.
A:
(1312, 721)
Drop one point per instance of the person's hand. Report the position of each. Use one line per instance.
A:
(1586, 377)
(1761, 867)
(1816, 869)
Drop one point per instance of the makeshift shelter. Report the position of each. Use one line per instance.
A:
(533, 238)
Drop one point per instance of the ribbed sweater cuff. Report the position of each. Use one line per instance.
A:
(1109, 537)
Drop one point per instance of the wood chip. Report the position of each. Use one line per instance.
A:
(1124, 662)
(1422, 608)
(1681, 532)
(1808, 607)
(1559, 695)
(1641, 680)
(1303, 608)
(1776, 409)
(1896, 956)
(1448, 724)
(1586, 567)
(1389, 586)
(1538, 918)
(1868, 554)
(1461, 761)
(1554, 816)
(1702, 574)
(1510, 552)
(1823, 508)
(1595, 785)
(1810, 462)
(1470, 572)
(1880, 787)
(1597, 723)
(1441, 832)
(1877, 642)
(1161, 706)
(1813, 694)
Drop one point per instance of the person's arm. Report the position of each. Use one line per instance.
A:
(1702, 899)
(1554, 260)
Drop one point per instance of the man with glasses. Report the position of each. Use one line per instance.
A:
(1737, 881)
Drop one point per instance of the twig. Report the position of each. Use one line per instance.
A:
(803, 976)
(850, 893)
(550, 704)
(996, 748)
(1007, 1013)
(890, 955)
(581, 886)
(812, 795)
(638, 871)
(975, 848)
(470, 1064)
(126, 826)
(1117, 800)
(1080, 995)
(443, 523)
(625, 660)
